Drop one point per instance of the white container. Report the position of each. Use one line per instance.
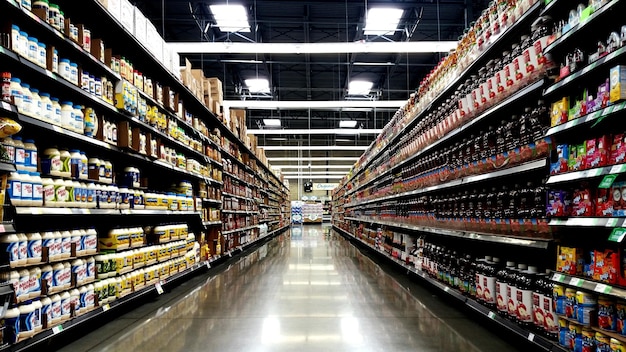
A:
(35, 282)
(66, 302)
(57, 116)
(90, 269)
(22, 249)
(69, 187)
(15, 188)
(46, 107)
(79, 118)
(64, 69)
(37, 105)
(9, 244)
(37, 189)
(27, 100)
(37, 313)
(76, 238)
(16, 92)
(51, 162)
(46, 312)
(41, 54)
(30, 155)
(34, 248)
(47, 241)
(20, 153)
(67, 275)
(24, 283)
(66, 244)
(90, 194)
(58, 241)
(75, 301)
(58, 279)
(56, 309)
(66, 170)
(79, 271)
(27, 188)
(27, 320)
(60, 193)
(77, 189)
(91, 242)
(108, 172)
(84, 166)
(46, 276)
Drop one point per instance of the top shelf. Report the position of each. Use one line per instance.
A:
(503, 39)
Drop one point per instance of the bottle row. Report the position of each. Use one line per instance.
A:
(238, 221)
(126, 238)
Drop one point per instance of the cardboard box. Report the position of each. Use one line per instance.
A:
(140, 23)
(617, 82)
(114, 7)
(569, 260)
(216, 86)
(127, 14)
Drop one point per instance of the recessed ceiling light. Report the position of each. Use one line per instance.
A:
(382, 21)
(231, 18)
(271, 122)
(359, 87)
(338, 158)
(347, 124)
(258, 85)
(279, 139)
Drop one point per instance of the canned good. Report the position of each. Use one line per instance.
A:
(620, 310)
(607, 318)
(617, 345)
(570, 303)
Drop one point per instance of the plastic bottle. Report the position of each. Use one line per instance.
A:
(58, 270)
(37, 315)
(90, 192)
(77, 191)
(79, 119)
(46, 107)
(46, 312)
(79, 271)
(34, 248)
(9, 244)
(57, 116)
(35, 282)
(51, 163)
(27, 188)
(58, 242)
(108, 172)
(90, 269)
(89, 297)
(29, 155)
(66, 244)
(75, 301)
(514, 291)
(102, 266)
(76, 238)
(16, 92)
(66, 301)
(37, 105)
(27, 100)
(46, 277)
(69, 188)
(67, 275)
(22, 249)
(502, 287)
(24, 283)
(37, 200)
(60, 194)
(47, 244)
(20, 153)
(74, 73)
(84, 166)
(65, 157)
(15, 188)
(27, 320)
(56, 309)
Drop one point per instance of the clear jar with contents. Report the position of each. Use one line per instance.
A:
(20, 153)
(67, 115)
(30, 155)
(92, 84)
(84, 81)
(27, 188)
(75, 162)
(36, 104)
(41, 54)
(27, 4)
(57, 117)
(66, 170)
(37, 189)
(53, 16)
(9, 147)
(23, 46)
(16, 92)
(64, 69)
(74, 73)
(78, 119)
(33, 49)
(15, 188)
(51, 163)
(46, 107)
(42, 5)
(27, 100)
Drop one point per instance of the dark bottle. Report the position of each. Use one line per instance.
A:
(472, 281)
(488, 147)
(470, 212)
(551, 325)
(511, 134)
(481, 268)
(454, 270)
(489, 282)
(481, 202)
(540, 120)
(512, 291)
(524, 283)
(491, 203)
(478, 145)
(538, 210)
(500, 139)
(510, 210)
(526, 201)
(502, 287)
(464, 204)
(502, 202)
(525, 128)
(538, 313)
(469, 150)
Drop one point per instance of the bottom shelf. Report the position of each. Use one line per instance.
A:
(38, 341)
(540, 342)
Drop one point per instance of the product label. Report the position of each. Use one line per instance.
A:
(16, 189)
(37, 191)
(479, 287)
(66, 245)
(511, 300)
(46, 311)
(27, 190)
(65, 306)
(538, 314)
(20, 156)
(524, 305)
(12, 250)
(34, 249)
(61, 194)
(10, 150)
(57, 277)
(23, 250)
(489, 289)
(56, 247)
(80, 271)
(27, 322)
(90, 270)
(56, 309)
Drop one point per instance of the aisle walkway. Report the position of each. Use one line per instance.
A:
(307, 291)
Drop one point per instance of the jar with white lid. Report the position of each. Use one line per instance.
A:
(60, 194)
(27, 100)
(35, 282)
(66, 303)
(46, 312)
(53, 16)
(41, 54)
(55, 309)
(15, 38)
(55, 61)
(58, 241)
(27, 188)
(56, 111)
(33, 49)
(92, 84)
(30, 155)
(20, 153)
(67, 115)
(16, 92)
(37, 189)
(90, 269)
(36, 104)
(74, 73)
(75, 301)
(108, 171)
(51, 163)
(91, 190)
(23, 46)
(47, 244)
(77, 192)
(27, 4)
(46, 107)
(15, 188)
(79, 119)
(64, 69)
(114, 196)
(66, 244)
(33, 248)
(77, 239)
(66, 170)
(125, 198)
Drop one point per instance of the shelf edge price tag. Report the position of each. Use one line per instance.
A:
(106, 307)
(57, 329)
(159, 288)
(208, 265)
(531, 337)
(617, 235)
(607, 181)
(492, 315)
(602, 288)
(612, 222)
(558, 277)
(576, 282)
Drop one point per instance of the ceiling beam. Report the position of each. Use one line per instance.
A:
(315, 131)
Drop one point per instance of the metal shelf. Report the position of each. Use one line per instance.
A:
(565, 37)
(209, 200)
(227, 195)
(609, 110)
(530, 166)
(586, 174)
(589, 285)
(515, 96)
(240, 230)
(503, 38)
(211, 223)
(248, 212)
(589, 222)
(486, 237)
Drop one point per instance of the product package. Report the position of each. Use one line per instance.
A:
(604, 203)
(607, 266)
(569, 260)
(618, 149)
(597, 152)
(582, 202)
(558, 204)
(617, 83)
(560, 112)
(561, 164)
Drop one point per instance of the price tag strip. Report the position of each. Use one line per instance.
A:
(159, 288)
(57, 329)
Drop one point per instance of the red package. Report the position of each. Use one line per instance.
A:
(618, 149)
(604, 203)
(582, 204)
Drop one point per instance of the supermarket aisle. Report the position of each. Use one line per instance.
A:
(307, 291)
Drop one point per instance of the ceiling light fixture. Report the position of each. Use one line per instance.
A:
(231, 18)
(314, 48)
(357, 87)
(315, 131)
(314, 147)
(339, 158)
(271, 122)
(308, 104)
(313, 166)
(382, 21)
(314, 173)
(279, 139)
(258, 85)
(321, 177)
(347, 124)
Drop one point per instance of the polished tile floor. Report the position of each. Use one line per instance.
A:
(307, 290)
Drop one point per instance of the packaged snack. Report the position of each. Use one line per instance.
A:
(618, 149)
(604, 203)
(560, 165)
(617, 83)
(569, 260)
(558, 203)
(560, 112)
(582, 202)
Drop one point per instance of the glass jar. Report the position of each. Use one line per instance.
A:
(23, 45)
(74, 73)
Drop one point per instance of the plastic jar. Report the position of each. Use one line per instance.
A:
(91, 196)
(9, 244)
(15, 188)
(84, 166)
(67, 115)
(27, 4)
(90, 269)
(47, 244)
(32, 49)
(64, 69)
(76, 161)
(90, 124)
(9, 146)
(55, 61)
(79, 119)
(30, 155)
(34, 248)
(51, 163)
(75, 301)
(17, 92)
(48, 194)
(27, 188)
(23, 46)
(69, 188)
(42, 5)
(60, 194)
(27, 100)
(78, 269)
(55, 307)
(108, 172)
(74, 73)
(78, 194)
(36, 104)
(46, 107)
(57, 276)
(37, 189)
(41, 54)
(15, 38)
(98, 87)
(53, 16)
(84, 81)
(35, 282)
(92, 84)
(76, 237)
(66, 244)
(125, 198)
(20, 153)
(27, 320)
(93, 166)
(66, 304)
(56, 111)
(46, 312)
(65, 163)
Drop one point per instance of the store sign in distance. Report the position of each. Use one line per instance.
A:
(324, 186)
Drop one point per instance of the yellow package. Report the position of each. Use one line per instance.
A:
(560, 112)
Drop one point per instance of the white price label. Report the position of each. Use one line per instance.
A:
(558, 277)
(612, 222)
(230, 254)
(57, 329)
(602, 288)
(159, 288)
(531, 337)
(208, 265)
(576, 282)
(616, 169)
(446, 289)
(491, 315)
(106, 307)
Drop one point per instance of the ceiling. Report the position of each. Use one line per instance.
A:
(319, 77)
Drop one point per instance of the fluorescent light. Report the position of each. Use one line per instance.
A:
(282, 167)
(301, 177)
(231, 18)
(305, 172)
(323, 158)
(315, 131)
(313, 48)
(347, 124)
(271, 122)
(308, 104)
(258, 85)
(359, 87)
(277, 139)
(313, 147)
(343, 140)
(382, 21)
